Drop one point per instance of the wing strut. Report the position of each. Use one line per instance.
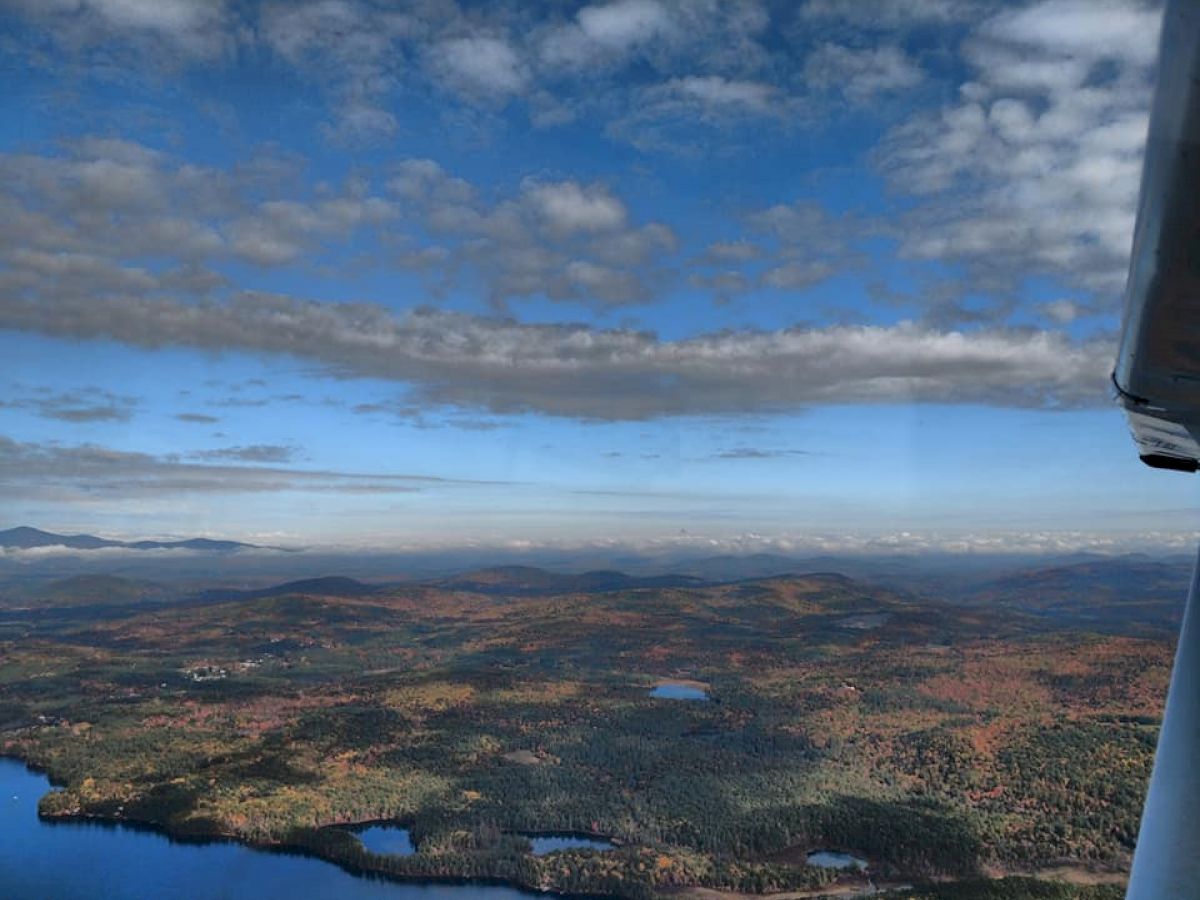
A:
(1166, 865)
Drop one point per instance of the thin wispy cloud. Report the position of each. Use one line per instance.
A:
(79, 406)
(42, 470)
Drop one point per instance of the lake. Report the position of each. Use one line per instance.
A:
(548, 843)
(85, 860)
(827, 859)
(390, 839)
(672, 691)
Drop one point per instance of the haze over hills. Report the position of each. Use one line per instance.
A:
(1118, 594)
(1128, 595)
(26, 538)
(532, 581)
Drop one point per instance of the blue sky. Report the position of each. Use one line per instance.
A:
(799, 275)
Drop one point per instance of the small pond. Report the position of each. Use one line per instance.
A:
(827, 859)
(549, 843)
(391, 840)
(669, 690)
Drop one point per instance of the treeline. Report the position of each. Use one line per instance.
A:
(631, 872)
(1013, 889)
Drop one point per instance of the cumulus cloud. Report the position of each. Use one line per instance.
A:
(480, 65)
(353, 50)
(861, 74)
(588, 373)
(280, 231)
(715, 91)
(199, 28)
(1034, 169)
(113, 216)
(788, 246)
(567, 206)
(565, 240)
(605, 31)
(110, 217)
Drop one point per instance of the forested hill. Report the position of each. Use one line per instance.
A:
(1120, 595)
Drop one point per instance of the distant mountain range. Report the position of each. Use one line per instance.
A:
(1122, 594)
(1132, 593)
(25, 538)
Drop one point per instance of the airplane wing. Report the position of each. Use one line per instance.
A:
(1158, 368)
(1157, 378)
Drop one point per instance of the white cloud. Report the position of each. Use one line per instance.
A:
(172, 16)
(156, 224)
(1062, 312)
(582, 372)
(112, 216)
(887, 15)
(567, 206)
(355, 50)
(1088, 29)
(561, 239)
(715, 90)
(200, 28)
(1035, 170)
(861, 74)
(607, 29)
(480, 65)
(622, 22)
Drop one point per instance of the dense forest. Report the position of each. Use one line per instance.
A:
(933, 742)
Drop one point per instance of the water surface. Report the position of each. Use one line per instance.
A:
(827, 859)
(672, 691)
(548, 843)
(390, 839)
(83, 861)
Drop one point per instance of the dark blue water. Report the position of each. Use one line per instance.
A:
(679, 692)
(389, 839)
(548, 843)
(82, 861)
(827, 859)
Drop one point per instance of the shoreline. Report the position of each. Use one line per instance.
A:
(1061, 872)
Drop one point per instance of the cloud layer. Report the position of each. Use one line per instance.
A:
(1028, 171)
(50, 471)
(583, 372)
